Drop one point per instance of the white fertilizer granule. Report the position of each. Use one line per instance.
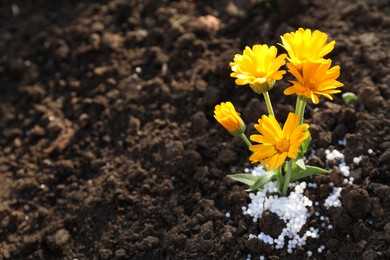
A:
(344, 168)
(293, 210)
(334, 155)
(333, 200)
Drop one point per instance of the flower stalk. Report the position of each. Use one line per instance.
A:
(246, 140)
(268, 103)
(287, 177)
(300, 109)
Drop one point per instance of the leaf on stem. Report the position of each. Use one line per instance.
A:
(301, 164)
(262, 180)
(305, 144)
(245, 178)
(255, 182)
(299, 173)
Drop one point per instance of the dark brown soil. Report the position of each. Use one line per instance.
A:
(108, 146)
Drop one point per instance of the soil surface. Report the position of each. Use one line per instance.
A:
(109, 148)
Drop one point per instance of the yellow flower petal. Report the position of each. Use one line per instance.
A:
(290, 125)
(262, 152)
(258, 66)
(314, 80)
(305, 45)
(276, 144)
(257, 138)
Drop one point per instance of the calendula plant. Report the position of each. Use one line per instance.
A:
(281, 149)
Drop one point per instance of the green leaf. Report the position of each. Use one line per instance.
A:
(255, 182)
(262, 180)
(299, 173)
(305, 144)
(349, 97)
(300, 163)
(245, 178)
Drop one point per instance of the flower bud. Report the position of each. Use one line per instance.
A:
(226, 115)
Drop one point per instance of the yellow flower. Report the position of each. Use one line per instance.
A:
(226, 115)
(258, 67)
(303, 45)
(277, 144)
(315, 79)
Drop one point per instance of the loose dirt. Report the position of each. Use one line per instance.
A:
(108, 146)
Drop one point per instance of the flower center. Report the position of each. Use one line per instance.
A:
(311, 85)
(260, 74)
(282, 145)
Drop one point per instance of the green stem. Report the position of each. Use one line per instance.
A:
(269, 104)
(287, 178)
(246, 140)
(298, 105)
(301, 104)
(279, 176)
